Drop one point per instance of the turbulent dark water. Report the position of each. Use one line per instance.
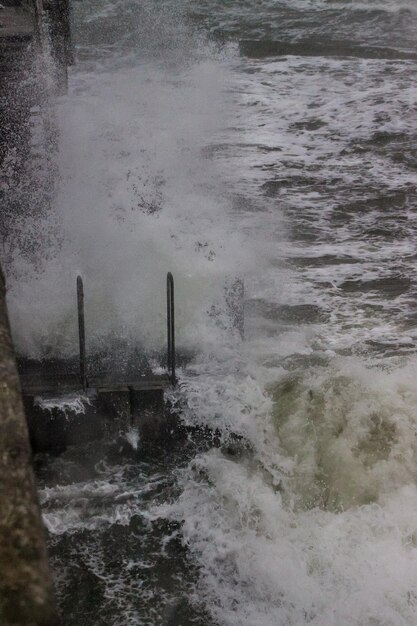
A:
(275, 141)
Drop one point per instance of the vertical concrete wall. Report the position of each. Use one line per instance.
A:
(26, 594)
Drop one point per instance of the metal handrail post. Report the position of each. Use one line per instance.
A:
(171, 327)
(168, 324)
(81, 332)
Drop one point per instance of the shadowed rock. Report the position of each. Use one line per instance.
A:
(26, 595)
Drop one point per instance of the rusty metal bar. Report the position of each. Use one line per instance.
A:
(81, 332)
(171, 327)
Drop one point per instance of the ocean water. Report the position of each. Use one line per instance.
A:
(273, 142)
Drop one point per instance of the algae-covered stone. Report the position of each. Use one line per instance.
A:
(26, 593)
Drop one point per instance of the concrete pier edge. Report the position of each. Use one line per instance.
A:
(26, 588)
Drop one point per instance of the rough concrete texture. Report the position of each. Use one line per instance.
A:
(26, 592)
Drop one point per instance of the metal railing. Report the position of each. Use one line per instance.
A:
(170, 331)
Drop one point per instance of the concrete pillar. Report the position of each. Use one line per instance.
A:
(26, 593)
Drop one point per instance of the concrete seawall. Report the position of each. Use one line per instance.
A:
(26, 591)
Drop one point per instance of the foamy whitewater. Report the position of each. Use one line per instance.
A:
(273, 142)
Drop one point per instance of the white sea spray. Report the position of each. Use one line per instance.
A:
(68, 404)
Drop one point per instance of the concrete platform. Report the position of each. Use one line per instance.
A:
(70, 399)
(60, 412)
(96, 386)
